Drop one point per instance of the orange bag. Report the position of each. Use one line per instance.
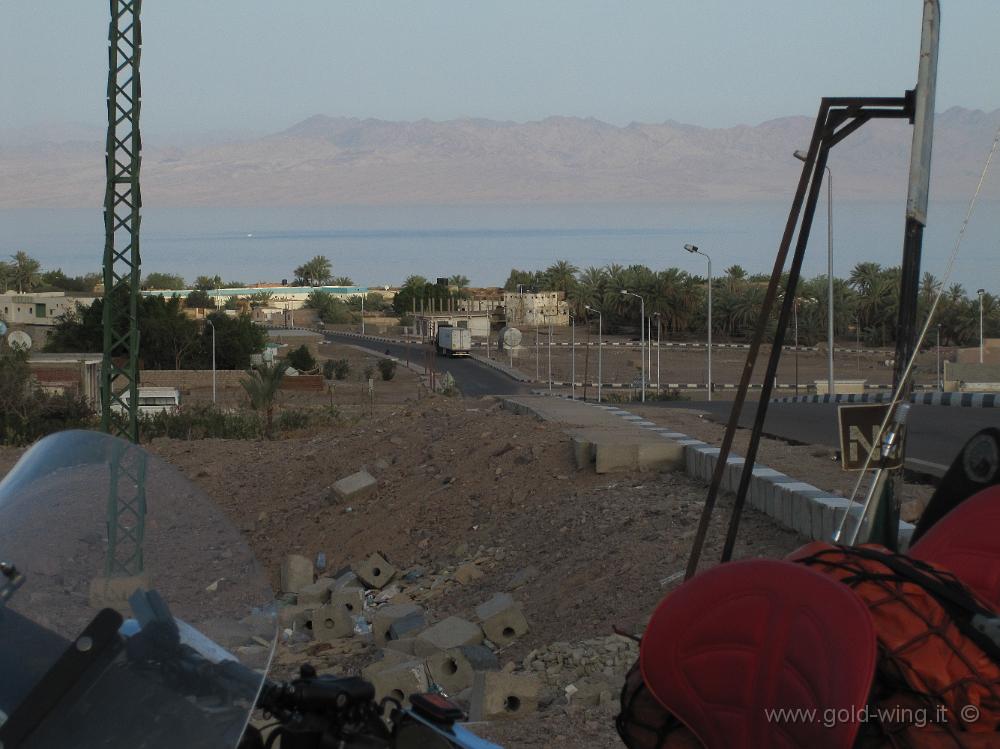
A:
(937, 681)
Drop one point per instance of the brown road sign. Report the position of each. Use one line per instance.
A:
(859, 427)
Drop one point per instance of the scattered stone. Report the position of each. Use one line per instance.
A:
(354, 487)
(375, 571)
(466, 573)
(296, 573)
(523, 577)
(498, 695)
(502, 619)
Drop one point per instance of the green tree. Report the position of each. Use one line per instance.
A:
(342, 281)
(260, 298)
(561, 276)
(261, 385)
(459, 280)
(56, 280)
(199, 298)
(302, 359)
(207, 283)
(167, 281)
(329, 308)
(236, 340)
(315, 272)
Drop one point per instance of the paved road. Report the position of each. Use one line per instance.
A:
(936, 433)
(473, 379)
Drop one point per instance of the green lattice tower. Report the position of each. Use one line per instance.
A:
(122, 201)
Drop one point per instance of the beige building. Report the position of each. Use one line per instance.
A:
(538, 308)
(40, 307)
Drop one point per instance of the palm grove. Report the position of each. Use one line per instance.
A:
(865, 303)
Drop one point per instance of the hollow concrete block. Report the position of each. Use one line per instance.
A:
(375, 571)
(449, 633)
(500, 695)
(332, 623)
(387, 616)
(502, 619)
(296, 573)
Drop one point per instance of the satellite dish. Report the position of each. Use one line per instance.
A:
(3, 328)
(19, 340)
(510, 338)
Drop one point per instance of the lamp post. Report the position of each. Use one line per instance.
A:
(980, 292)
(801, 156)
(658, 326)
(572, 348)
(550, 356)
(693, 249)
(213, 357)
(362, 314)
(938, 367)
(642, 339)
(600, 350)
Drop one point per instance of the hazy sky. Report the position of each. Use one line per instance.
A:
(259, 66)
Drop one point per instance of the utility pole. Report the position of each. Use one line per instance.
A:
(126, 504)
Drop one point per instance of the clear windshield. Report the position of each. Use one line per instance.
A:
(91, 523)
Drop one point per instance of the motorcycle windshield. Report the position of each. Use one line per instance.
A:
(88, 523)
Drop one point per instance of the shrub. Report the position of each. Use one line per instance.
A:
(202, 422)
(388, 368)
(329, 369)
(369, 372)
(302, 359)
(341, 368)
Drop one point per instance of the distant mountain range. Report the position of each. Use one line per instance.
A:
(329, 161)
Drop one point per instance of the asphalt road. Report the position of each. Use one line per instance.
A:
(936, 433)
(473, 379)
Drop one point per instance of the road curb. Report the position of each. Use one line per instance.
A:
(953, 400)
(796, 505)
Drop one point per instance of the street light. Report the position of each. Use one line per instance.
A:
(600, 349)
(938, 367)
(572, 345)
(980, 292)
(693, 249)
(658, 326)
(213, 357)
(550, 355)
(362, 314)
(642, 339)
(801, 156)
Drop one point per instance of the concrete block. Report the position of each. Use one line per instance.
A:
(502, 619)
(582, 450)
(763, 479)
(315, 594)
(659, 455)
(450, 670)
(346, 581)
(354, 487)
(388, 616)
(398, 680)
(296, 573)
(449, 633)
(295, 617)
(499, 695)
(403, 645)
(905, 534)
(609, 458)
(352, 598)
(375, 571)
(332, 623)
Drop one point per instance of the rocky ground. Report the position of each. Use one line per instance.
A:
(472, 501)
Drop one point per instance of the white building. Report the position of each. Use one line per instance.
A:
(40, 307)
(282, 297)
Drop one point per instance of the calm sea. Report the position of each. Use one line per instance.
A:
(382, 245)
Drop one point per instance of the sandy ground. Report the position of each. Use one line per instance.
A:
(462, 481)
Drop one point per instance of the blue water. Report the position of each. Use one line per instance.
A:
(384, 244)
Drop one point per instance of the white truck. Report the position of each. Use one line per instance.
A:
(154, 400)
(452, 341)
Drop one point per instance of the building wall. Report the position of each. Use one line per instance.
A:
(991, 353)
(285, 297)
(41, 308)
(539, 308)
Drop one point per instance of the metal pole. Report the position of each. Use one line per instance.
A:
(600, 354)
(857, 328)
(829, 281)
(658, 326)
(213, 360)
(709, 327)
(550, 357)
(362, 314)
(642, 343)
(795, 309)
(536, 352)
(937, 369)
(649, 348)
(572, 376)
(981, 292)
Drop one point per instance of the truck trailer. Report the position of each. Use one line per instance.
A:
(452, 341)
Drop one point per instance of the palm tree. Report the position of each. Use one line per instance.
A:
(24, 271)
(561, 275)
(458, 280)
(342, 281)
(315, 272)
(262, 384)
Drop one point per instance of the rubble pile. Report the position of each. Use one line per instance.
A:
(374, 620)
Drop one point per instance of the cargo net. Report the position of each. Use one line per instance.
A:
(937, 682)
